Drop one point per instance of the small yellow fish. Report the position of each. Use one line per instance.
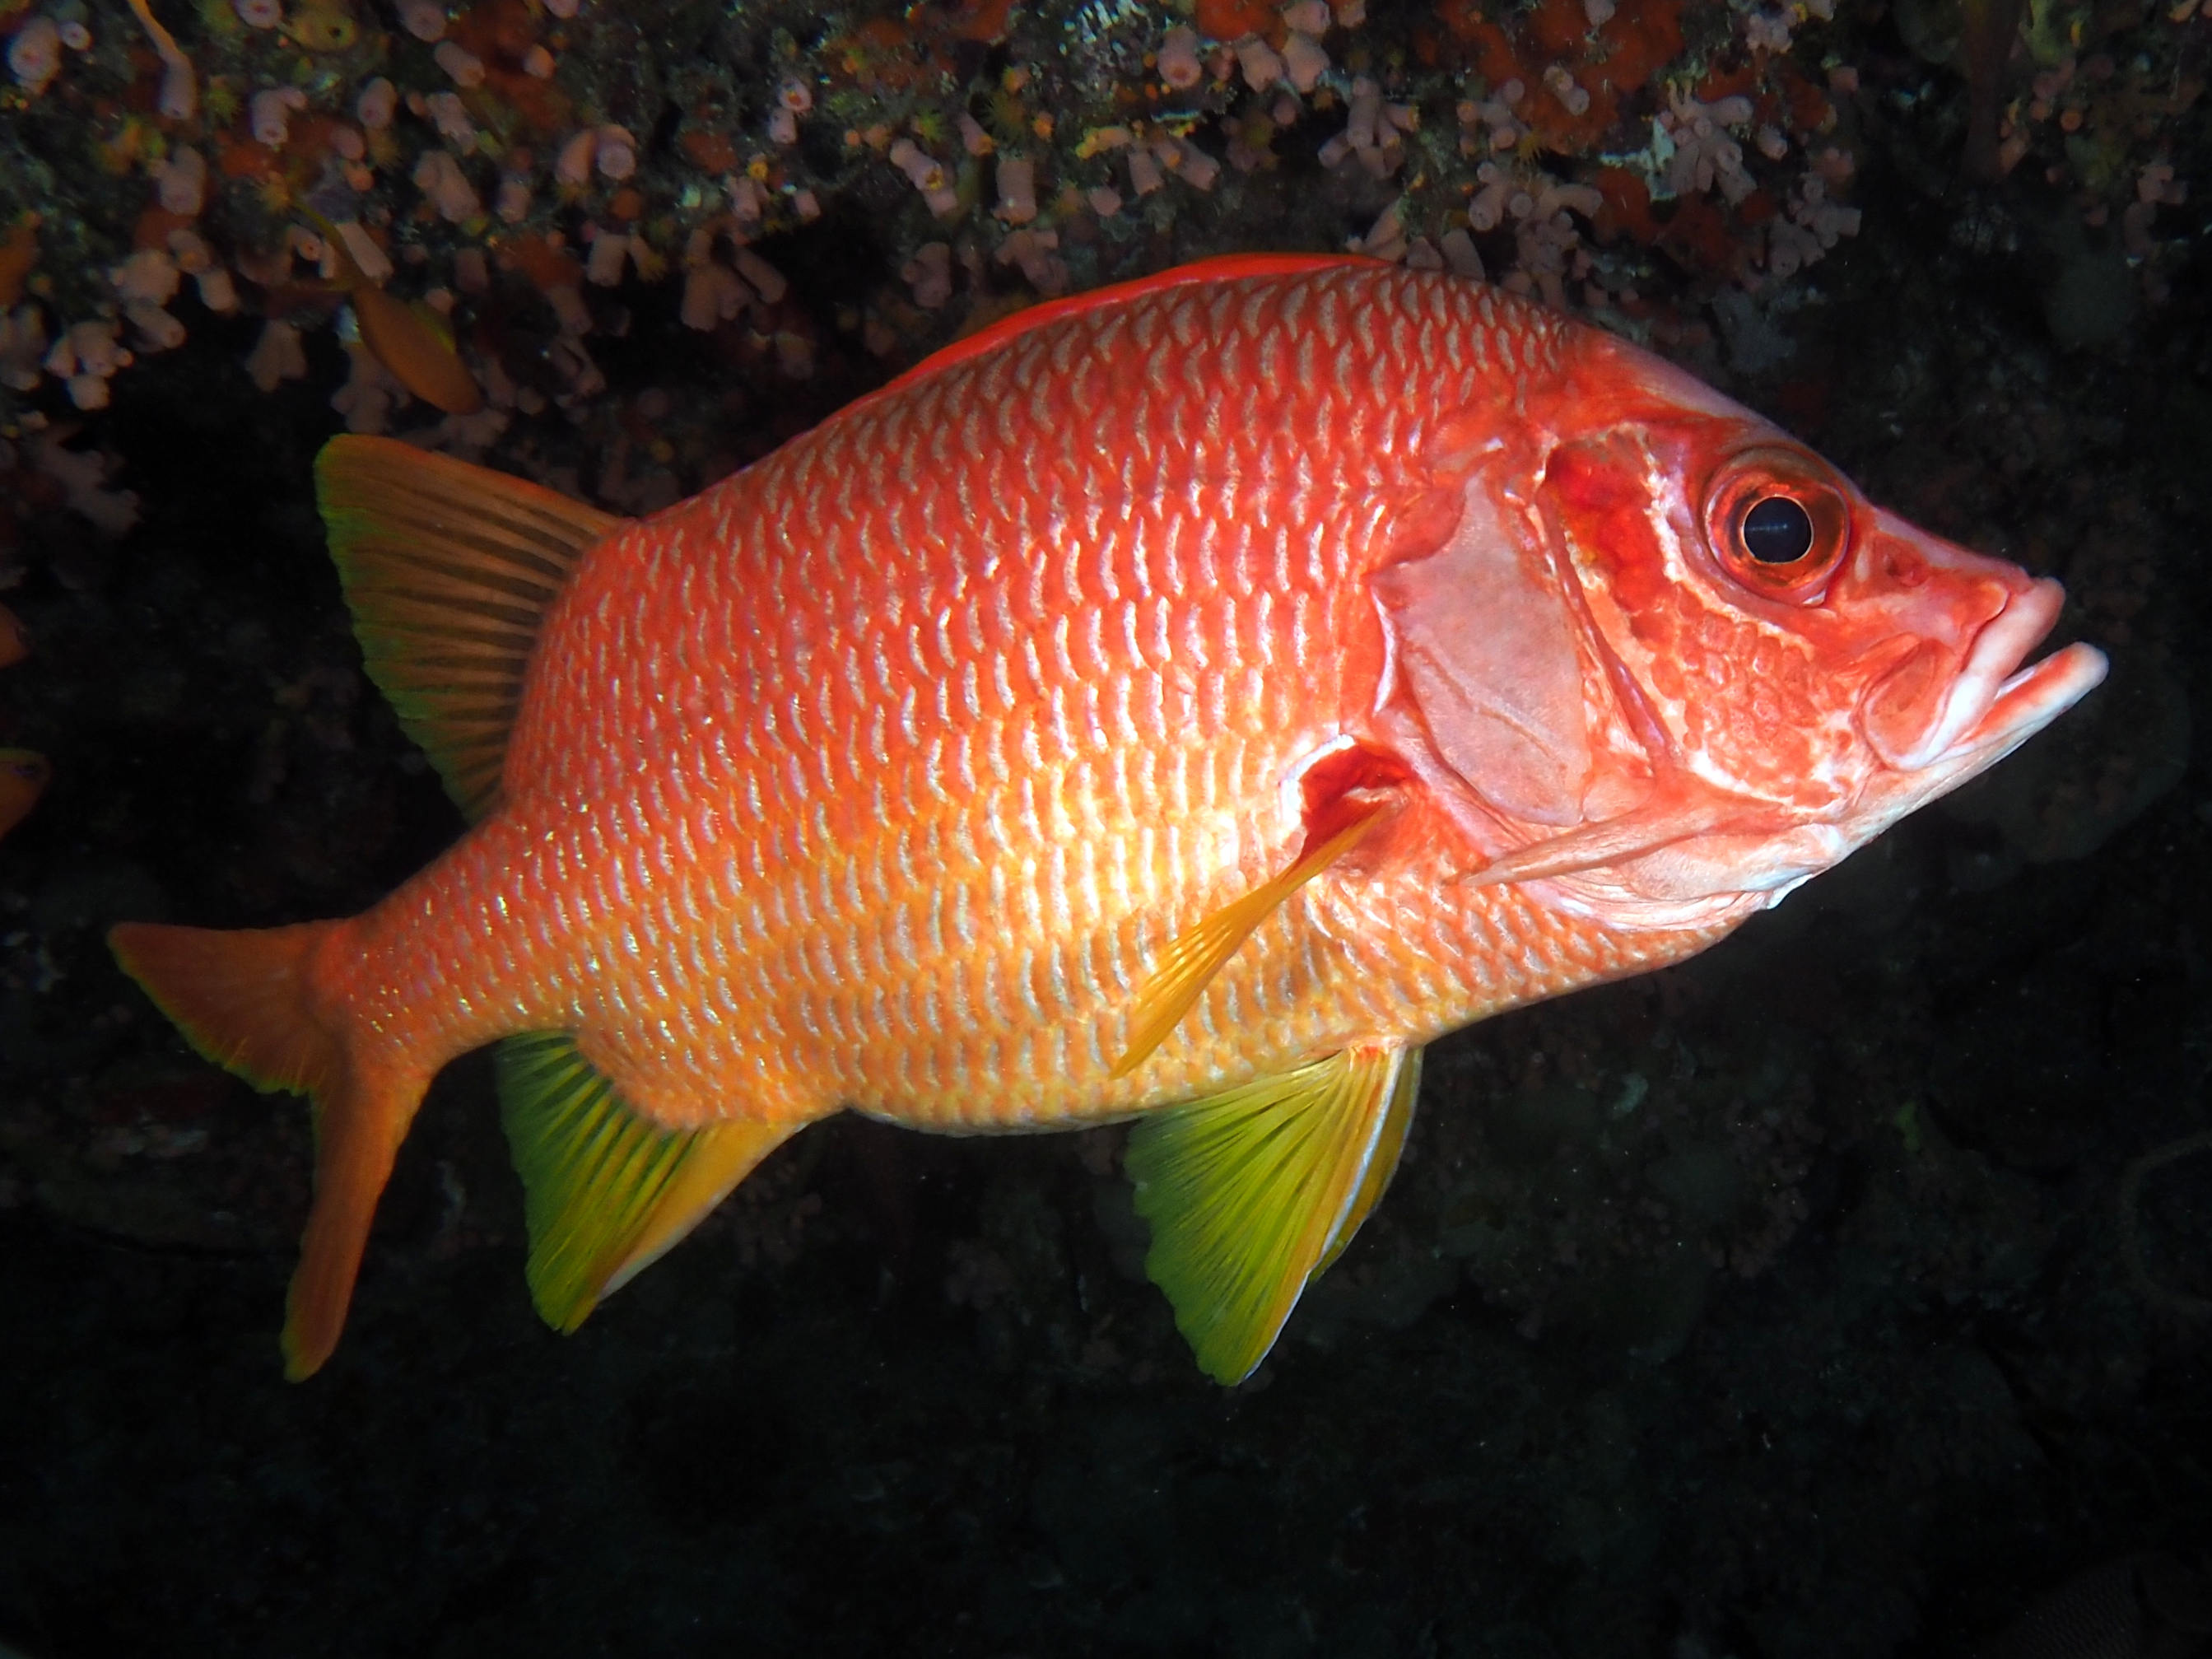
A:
(421, 357)
(324, 25)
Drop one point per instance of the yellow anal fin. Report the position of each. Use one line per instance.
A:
(449, 569)
(1195, 956)
(605, 1193)
(1252, 1192)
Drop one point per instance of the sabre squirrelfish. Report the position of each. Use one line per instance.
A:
(1179, 703)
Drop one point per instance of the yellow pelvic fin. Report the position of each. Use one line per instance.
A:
(1252, 1192)
(449, 569)
(1194, 956)
(435, 323)
(606, 1194)
(1381, 1163)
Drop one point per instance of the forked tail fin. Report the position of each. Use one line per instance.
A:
(245, 1001)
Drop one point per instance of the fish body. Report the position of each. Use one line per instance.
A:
(1182, 702)
(412, 341)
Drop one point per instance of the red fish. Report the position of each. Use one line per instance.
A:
(1180, 703)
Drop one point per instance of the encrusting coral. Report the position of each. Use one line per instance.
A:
(1646, 166)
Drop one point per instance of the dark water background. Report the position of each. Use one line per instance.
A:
(1811, 1298)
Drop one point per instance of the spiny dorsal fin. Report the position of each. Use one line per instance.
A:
(606, 1194)
(449, 569)
(1252, 1192)
(1194, 956)
(1221, 268)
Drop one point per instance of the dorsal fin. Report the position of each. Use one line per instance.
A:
(449, 569)
(1222, 268)
(605, 1193)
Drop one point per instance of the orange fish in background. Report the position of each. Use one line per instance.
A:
(1180, 703)
(413, 342)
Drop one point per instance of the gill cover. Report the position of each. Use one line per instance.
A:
(1484, 646)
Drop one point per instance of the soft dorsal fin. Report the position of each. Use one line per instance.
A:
(449, 569)
(606, 1194)
(1194, 956)
(1222, 268)
(1251, 1193)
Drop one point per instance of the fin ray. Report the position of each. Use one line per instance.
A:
(606, 1193)
(1194, 956)
(449, 569)
(1382, 1161)
(1252, 1192)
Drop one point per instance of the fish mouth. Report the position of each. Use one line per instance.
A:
(2024, 702)
(1994, 704)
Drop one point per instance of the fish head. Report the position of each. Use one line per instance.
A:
(1727, 668)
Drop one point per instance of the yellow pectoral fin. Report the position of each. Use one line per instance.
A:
(605, 1193)
(434, 323)
(1194, 958)
(420, 357)
(1252, 1192)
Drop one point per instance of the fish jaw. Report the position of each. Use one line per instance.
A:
(1944, 627)
(1958, 699)
(2016, 709)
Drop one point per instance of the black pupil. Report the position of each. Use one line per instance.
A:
(1778, 530)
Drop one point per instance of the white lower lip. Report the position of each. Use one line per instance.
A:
(2024, 702)
(1992, 668)
(2029, 701)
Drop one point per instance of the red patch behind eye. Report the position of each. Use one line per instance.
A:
(1600, 486)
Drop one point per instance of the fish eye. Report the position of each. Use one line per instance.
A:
(318, 30)
(1778, 522)
(1778, 530)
